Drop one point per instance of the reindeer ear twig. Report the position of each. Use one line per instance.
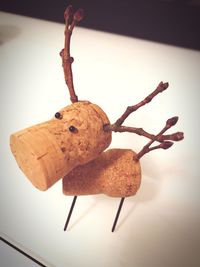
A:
(71, 19)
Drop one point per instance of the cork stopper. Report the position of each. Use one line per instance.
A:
(115, 173)
(48, 151)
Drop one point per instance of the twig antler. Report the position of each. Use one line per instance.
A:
(165, 144)
(159, 89)
(165, 140)
(71, 19)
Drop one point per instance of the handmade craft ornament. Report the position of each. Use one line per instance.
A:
(71, 145)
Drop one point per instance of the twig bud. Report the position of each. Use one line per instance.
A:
(68, 12)
(178, 136)
(172, 121)
(163, 86)
(78, 16)
(166, 144)
(62, 52)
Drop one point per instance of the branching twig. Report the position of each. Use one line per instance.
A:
(164, 145)
(139, 131)
(160, 88)
(71, 19)
(165, 140)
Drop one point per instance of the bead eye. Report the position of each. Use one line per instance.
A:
(73, 129)
(58, 115)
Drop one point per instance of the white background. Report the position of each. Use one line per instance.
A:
(160, 226)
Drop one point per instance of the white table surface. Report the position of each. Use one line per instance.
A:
(160, 226)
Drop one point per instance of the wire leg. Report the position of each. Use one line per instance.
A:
(118, 212)
(70, 212)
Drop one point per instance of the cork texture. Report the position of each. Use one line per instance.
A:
(114, 173)
(48, 151)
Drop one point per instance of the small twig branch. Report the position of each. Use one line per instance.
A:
(139, 131)
(164, 145)
(160, 88)
(71, 19)
(164, 140)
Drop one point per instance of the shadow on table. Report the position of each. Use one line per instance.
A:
(8, 33)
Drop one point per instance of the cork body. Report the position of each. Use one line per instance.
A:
(48, 151)
(114, 173)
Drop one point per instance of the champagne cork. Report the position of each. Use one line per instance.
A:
(115, 173)
(48, 151)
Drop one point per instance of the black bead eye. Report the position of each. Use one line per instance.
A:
(58, 115)
(73, 129)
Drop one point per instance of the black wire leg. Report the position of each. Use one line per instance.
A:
(118, 212)
(70, 213)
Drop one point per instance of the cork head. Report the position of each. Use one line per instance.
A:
(81, 134)
(48, 151)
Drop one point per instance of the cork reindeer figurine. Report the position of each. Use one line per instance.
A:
(71, 145)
